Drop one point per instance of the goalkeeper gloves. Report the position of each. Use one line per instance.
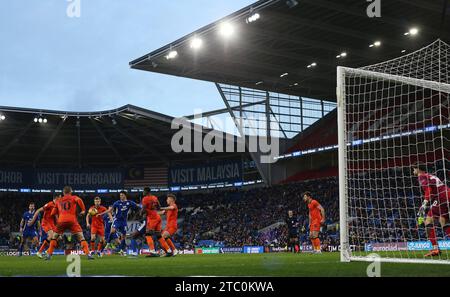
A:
(423, 209)
(421, 214)
(420, 221)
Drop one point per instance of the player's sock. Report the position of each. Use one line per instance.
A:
(123, 245)
(163, 244)
(171, 245)
(21, 249)
(85, 247)
(43, 246)
(316, 244)
(134, 246)
(52, 247)
(92, 245)
(99, 247)
(151, 244)
(297, 248)
(432, 236)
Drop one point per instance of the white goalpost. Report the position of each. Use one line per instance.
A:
(392, 115)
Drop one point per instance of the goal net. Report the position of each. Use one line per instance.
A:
(391, 116)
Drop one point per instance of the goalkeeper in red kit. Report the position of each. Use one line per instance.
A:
(435, 205)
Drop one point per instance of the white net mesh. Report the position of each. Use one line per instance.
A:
(396, 113)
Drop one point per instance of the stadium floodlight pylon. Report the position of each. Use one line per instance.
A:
(391, 115)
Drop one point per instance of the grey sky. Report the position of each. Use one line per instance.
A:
(51, 61)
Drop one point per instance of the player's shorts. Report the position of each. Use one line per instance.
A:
(292, 234)
(98, 230)
(30, 233)
(141, 228)
(73, 227)
(45, 228)
(439, 210)
(120, 226)
(171, 229)
(154, 225)
(314, 226)
(48, 227)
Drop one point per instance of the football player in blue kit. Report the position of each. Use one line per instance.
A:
(120, 210)
(29, 232)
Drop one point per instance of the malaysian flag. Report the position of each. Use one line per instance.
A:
(146, 177)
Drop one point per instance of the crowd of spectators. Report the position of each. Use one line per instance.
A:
(239, 218)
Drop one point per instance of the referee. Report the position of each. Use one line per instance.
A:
(292, 224)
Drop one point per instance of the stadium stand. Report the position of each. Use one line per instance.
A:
(321, 133)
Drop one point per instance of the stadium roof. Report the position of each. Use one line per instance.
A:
(290, 35)
(126, 136)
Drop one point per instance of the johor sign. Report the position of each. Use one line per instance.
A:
(57, 179)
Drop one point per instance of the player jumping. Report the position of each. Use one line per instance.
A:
(66, 209)
(316, 220)
(121, 208)
(150, 205)
(435, 205)
(97, 226)
(28, 231)
(48, 225)
(171, 212)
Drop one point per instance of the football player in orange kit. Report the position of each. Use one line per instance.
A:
(171, 212)
(66, 209)
(316, 220)
(151, 206)
(97, 226)
(48, 223)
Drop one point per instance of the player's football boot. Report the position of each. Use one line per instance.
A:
(90, 257)
(175, 252)
(39, 255)
(132, 255)
(48, 258)
(152, 254)
(99, 254)
(433, 253)
(169, 254)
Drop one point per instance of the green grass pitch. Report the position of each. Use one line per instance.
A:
(282, 264)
